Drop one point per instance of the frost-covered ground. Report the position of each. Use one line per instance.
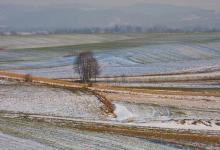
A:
(128, 107)
(167, 117)
(196, 113)
(135, 55)
(205, 103)
(35, 99)
(8, 142)
(203, 80)
(66, 71)
(173, 111)
(36, 41)
(25, 135)
(199, 85)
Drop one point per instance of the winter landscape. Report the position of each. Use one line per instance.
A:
(116, 87)
(170, 85)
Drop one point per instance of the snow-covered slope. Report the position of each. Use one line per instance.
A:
(49, 101)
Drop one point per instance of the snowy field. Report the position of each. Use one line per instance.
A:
(171, 110)
(8, 142)
(197, 85)
(167, 117)
(191, 113)
(26, 135)
(120, 54)
(34, 99)
(129, 54)
(128, 108)
(36, 41)
(66, 71)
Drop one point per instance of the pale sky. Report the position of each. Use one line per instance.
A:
(205, 4)
(55, 14)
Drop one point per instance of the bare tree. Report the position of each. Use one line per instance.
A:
(86, 65)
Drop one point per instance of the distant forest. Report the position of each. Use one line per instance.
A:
(113, 29)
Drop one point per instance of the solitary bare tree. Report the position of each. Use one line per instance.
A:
(86, 65)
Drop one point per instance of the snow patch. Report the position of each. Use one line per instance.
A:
(49, 101)
(175, 125)
(122, 113)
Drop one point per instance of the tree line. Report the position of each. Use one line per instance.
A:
(115, 29)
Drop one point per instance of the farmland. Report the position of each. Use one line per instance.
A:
(163, 89)
(130, 54)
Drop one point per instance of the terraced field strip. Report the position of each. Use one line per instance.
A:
(163, 91)
(97, 88)
(207, 76)
(194, 139)
(58, 83)
(41, 80)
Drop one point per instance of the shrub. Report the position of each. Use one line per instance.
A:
(28, 78)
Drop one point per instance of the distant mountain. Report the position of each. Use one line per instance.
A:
(79, 16)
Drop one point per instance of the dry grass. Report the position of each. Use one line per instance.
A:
(42, 80)
(105, 101)
(28, 78)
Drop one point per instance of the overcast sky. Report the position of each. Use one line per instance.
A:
(205, 4)
(53, 14)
